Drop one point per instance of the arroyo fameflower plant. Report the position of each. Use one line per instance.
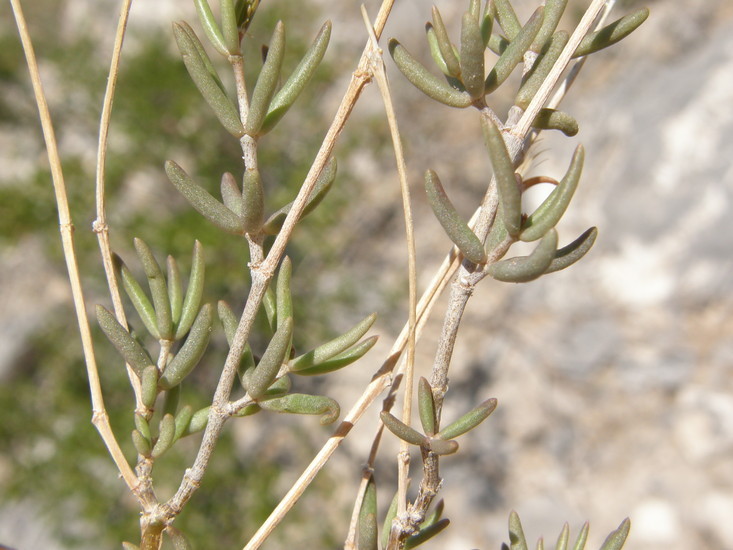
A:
(492, 44)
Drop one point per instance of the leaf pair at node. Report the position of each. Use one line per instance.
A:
(440, 442)
(517, 540)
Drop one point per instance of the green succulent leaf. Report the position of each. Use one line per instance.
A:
(270, 304)
(517, 540)
(389, 518)
(142, 426)
(445, 47)
(283, 298)
(612, 33)
(172, 398)
(442, 447)
(507, 18)
(166, 436)
(568, 255)
(472, 56)
(543, 65)
(149, 385)
(340, 360)
(497, 44)
(455, 227)
(617, 538)
(198, 422)
(333, 347)
(468, 421)
(563, 539)
(552, 119)
(402, 430)
(266, 370)
(229, 26)
(514, 52)
(426, 406)
(130, 350)
(253, 201)
(183, 420)
(553, 12)
(487, 25)
(509, 193)
(523, 269)
(368, 532)
(139, 299)
(266, 82)
(582, 537)
(298, 403)
(141, 443)
(192, 350)
(424, 80)
(298, 80)
(211, 27)
(323, 185)
(435, 49)
(230, 193)
(158, 289)
(175, 288)
(194, 292)
(426, 534)
(203, 202)
(207, 84)
(228, 320)
(548, 214)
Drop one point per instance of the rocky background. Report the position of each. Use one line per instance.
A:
(613, 377)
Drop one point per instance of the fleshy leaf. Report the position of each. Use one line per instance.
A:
(149, 385)
(523, 269)
(616, 540)
(472, 56)
(166, 436)
(455, 227)
(509, 193)
(517, 540)
(192, 350)
(211, 27)
(299, 403)
(507, 18)
(582, 537)
(229, 27)
(253, 201)
(552, 119)
(445, 47)
(426, 406)
(183, 420)
(341, 360)
(230, 193)
(553, 12)
(443, 447)
(175, 288)
(543, 65)
(563, 539)
(426, 534)
(130, 350)
(266, 370)
(194, 292)
(568, 255)
(424, 80)
(612, 33)
(158, 289)
(368, 533)
(141, 443)
(139, 299)
(266, 82)
(402, 430)
(468, 421)
(202, 201)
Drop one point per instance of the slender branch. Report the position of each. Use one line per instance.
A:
(99, 416)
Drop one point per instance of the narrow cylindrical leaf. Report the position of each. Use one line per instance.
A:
(554, 206)
(166, 435)
(553, 12)
(387, 525)
(139, 299)
(142, 426)
(582, 537)
(498, 44)
(211, 27)
(527, 268)
(472, 56)
(610, 34)
(424, 80)
(266, 370)
(541, 68)
(552, 119)
(230, 193)
(341, 360)
(616, 540)
(540, 544)
(444, 45)
(434, 515)
(468, 421)
(402, 430)
(507, 18)
(203, 55)
(514, 52)
(149, 385)
(568, 255)
(222, 106)
(435, 49)
(441, 447)
(368, 533)
(229, 27)
(130, 350)
(175, 288)
(564, 538)
(228, 320)
(172, 398)
(158, 289)
(279, 387)
(455, 227)
(141, 443)
(298, 403)
(198, 421)
(192, 350)
(298, 80)
(270, 304)
(283, 298)
(426, 406)
(487, 25)
(509, 193)
(183, 419)
(266, 81)
(320, 190)
(517, 540)
(179, 540)
(202, 201)
(426, 534)
(253, 201)
(334, 347)
(194, 291)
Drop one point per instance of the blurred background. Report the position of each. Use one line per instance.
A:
(613, 377)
